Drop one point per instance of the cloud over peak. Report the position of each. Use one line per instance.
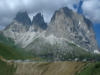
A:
(91, 8)
(9, 8)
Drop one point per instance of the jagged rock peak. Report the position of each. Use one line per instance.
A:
(65, 10)
(38, 20)
(72, 26)
(23, 18)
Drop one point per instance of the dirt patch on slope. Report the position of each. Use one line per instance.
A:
(54, 68)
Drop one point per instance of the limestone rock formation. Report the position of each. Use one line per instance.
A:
(74, 27)
(68, 34)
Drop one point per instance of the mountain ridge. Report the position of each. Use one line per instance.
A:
(65, 27)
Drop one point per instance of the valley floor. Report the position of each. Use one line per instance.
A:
(54, 68)
(48, 68)
(41, 68)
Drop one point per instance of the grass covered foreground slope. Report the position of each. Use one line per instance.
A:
(6, 69)
(9, 52)
(49, 68)
(6, 47)
(91, 69)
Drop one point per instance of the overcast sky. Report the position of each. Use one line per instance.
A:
(9, 8)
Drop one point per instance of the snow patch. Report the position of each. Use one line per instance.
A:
(96, 51)
(79, 22)
(51, 38)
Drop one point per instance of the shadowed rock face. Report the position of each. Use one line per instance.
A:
(21, 23)
(22, 17)
(68, 12)
(38, 21)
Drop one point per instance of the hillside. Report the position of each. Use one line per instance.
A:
(55, 39)
(5, 40)
(9, 52)
(64, 46)
(91, 69)
(49, 68)
(41, 68)
(6, 69)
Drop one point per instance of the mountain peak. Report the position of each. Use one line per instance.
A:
(68, 11)
(37, 17)
(68, 33)
(23, 18)
(38, 20)
(65, 10)
(66, 23)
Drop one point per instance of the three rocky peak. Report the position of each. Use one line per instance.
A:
(65, 25)
(38, 20)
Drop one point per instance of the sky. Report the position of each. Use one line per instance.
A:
(89, 8)
(97, 31)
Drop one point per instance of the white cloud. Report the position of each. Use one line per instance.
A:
(91, 8)
(9, 8)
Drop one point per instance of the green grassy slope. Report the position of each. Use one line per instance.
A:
(5, 40)
(7, 48)
(6, 69)
(91, 69)
(9, 52)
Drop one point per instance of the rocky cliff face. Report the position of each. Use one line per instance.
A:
(22, 30)
(74, 27)
(38, 22)
(22, 17)
(68, 33)
(21, 23)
